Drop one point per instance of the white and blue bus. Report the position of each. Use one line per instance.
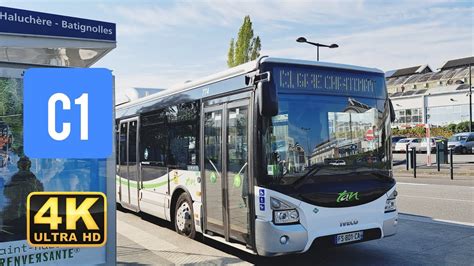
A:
(273, 157)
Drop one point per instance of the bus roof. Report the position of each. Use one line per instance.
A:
(239, 70)
(321, 64)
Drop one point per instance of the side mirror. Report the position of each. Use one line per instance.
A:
(392, 111)
(267, 99)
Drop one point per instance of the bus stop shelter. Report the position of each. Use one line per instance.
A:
(30, 39)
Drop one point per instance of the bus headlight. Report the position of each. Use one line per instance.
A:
(391, 202)
(286, 216)
(284, 212)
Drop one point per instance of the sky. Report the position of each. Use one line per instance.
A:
(162, 43)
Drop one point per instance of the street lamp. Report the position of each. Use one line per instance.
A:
(470, 99)
(303, 39)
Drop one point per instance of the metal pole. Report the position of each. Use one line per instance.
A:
(451, 161)
(470, 99)
(414, 162)
(438, 155)
(317, 52)
(428, 145)
(408, 156)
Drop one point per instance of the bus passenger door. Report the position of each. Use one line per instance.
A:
(122, 166)
(213, 179)
(237, 131)
(128, 167)
(225, 170)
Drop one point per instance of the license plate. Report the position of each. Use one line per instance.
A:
(349, 237)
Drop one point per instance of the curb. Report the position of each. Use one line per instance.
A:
(419, 218)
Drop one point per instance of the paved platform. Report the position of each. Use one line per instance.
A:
(145, 240)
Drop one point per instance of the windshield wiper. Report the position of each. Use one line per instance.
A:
(313, 169)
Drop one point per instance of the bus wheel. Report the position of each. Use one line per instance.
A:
(183, 216)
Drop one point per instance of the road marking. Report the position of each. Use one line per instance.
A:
(435, 198)
(416, 218)
(411, 184)
(454, 222)
(440, 185)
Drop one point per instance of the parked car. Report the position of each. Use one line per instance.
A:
(396, 139)
(401, 145)
(462, 142)
(338, 162)
(423, 145)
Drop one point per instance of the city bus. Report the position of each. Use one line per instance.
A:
(274, 156)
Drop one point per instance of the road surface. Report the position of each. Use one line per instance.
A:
(439, 232)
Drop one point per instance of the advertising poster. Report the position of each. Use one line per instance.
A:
(21, 175)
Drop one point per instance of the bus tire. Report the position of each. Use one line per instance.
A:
(184, 216)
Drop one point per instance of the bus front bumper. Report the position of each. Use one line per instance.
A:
(269, 238)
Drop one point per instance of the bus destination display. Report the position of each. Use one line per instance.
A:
(334, 82)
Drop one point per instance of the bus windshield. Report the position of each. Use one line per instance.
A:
(318, 135)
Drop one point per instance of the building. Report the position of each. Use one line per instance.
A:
(351, 132)
(423, 96)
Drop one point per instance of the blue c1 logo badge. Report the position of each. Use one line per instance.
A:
(68, 112)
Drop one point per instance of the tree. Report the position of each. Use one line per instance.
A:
(462, 127)
(451, 127)
(246, 48)
(255, 48)
(11, 110)
(230, 54)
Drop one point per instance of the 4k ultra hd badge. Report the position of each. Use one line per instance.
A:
(68, 113)
(66, 219)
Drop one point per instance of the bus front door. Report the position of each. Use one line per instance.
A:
(127, 171)
(225, 170)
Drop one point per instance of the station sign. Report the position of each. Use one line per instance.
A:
(25, 22)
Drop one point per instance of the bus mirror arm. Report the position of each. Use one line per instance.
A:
(267, 99)
(255, 77)
(392, 111)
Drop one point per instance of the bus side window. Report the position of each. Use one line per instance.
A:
(122, 158)
(154, 138)
(183, 135)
